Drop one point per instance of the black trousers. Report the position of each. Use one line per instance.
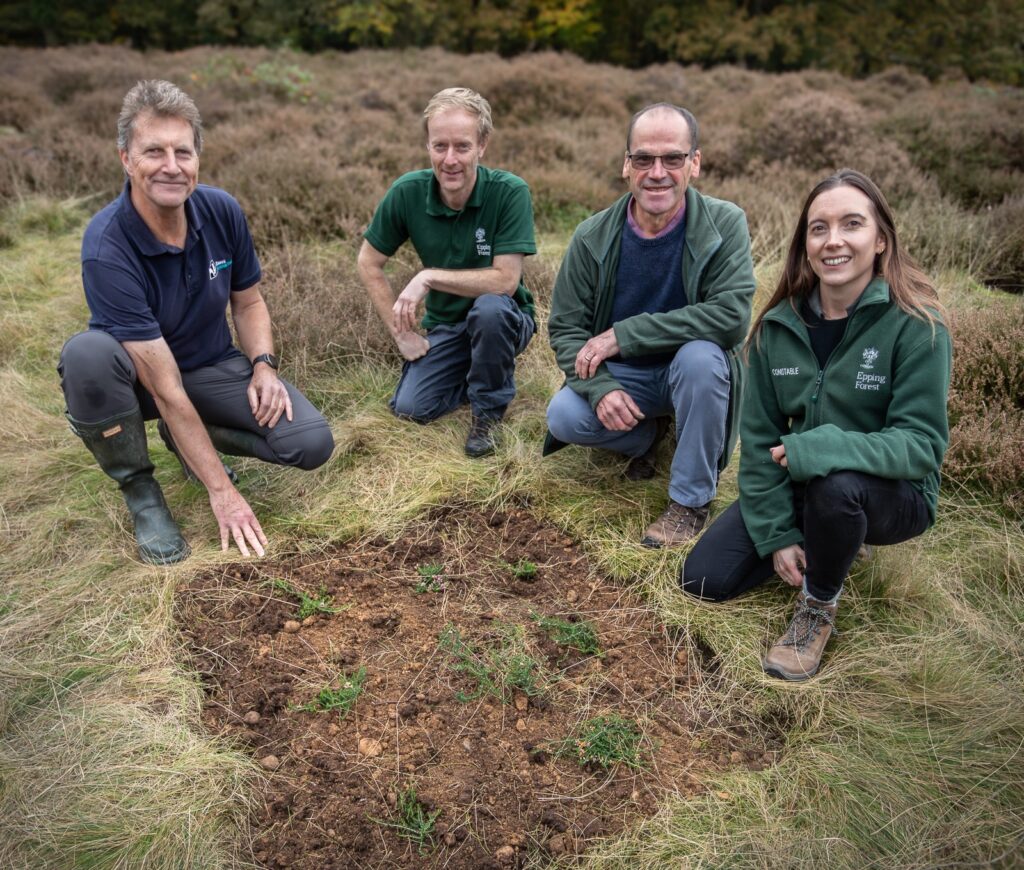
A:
(99, 382)
(838, 513)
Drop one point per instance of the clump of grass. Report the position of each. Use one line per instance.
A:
(496, 668)
(578, 635)
(309, 605)
(429, 578)
(412, 820)
(524, 569)
(604, 741)
(340, 700)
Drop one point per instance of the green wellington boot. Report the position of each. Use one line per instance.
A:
(119, 445)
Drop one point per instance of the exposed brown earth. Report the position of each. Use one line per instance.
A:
(499, 772)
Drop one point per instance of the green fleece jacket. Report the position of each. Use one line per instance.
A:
(718, 278)
(878, 406)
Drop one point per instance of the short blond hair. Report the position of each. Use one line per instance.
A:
(460, 98)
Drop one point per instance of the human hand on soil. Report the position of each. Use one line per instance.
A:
(237, 522)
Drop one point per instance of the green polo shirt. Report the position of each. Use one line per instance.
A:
(497, 219)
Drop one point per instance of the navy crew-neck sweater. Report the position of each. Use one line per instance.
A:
(649, 281)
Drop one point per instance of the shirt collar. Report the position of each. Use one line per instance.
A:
(671, 225)
(137, 230)
(436, 206)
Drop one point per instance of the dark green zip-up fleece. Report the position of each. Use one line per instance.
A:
(878, 406)
(718, 278)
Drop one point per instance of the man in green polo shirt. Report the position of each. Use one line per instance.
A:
(471, 227)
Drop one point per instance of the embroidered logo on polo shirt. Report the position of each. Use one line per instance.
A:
(869, 356)
(218, 266)
(482, 248)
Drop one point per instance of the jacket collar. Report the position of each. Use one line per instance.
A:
(875, 293)
(702, 237)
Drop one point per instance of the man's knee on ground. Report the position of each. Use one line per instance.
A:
(408, 406)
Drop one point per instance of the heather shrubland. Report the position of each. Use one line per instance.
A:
(905, 752)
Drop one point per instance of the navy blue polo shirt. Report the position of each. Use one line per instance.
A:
(139, 288)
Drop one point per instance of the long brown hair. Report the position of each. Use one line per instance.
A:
(909, 287)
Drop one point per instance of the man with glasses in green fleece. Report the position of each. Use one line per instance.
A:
(648, 311)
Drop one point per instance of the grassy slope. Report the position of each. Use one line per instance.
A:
(906, 751)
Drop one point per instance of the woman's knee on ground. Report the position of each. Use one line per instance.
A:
(700, 580)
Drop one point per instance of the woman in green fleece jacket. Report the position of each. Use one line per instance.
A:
(844, 419)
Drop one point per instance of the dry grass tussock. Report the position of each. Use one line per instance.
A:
(905, 752)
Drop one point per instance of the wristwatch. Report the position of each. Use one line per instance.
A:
(267, 358)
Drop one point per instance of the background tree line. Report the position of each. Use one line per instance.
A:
(982, 39)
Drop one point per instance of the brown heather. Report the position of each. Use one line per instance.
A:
(986, 403)
(309, 143)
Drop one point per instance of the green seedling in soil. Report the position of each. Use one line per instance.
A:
(340, 700)
(523, 570)
(604, 741)
(429, 578)
(412, 821)
(496, 668)
(309, 605)
(580, 636)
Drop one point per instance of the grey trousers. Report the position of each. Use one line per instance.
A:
(99, 381)
(473, 361)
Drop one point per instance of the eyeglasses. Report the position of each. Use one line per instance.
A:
(673, 160)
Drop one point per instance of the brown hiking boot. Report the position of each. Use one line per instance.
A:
(644, 467)
(677, 525)
(797, 654)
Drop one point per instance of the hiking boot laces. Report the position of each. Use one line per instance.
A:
(807, 622)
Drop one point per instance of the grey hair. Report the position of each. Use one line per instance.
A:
(163, 99)
(691, 122)
(460, 98)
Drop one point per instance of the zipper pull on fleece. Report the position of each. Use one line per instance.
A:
(817, 385)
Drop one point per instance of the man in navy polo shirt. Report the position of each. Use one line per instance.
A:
(159, 265)
(647, 313)
(471, 227)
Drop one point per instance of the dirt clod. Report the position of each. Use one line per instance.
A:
(270, 762)
(370, 747)
(505, 856)
(292, 626)
(251, 718)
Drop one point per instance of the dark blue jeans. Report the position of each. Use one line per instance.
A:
(473, 361)
(838, 513)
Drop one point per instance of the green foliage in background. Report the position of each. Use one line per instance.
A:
(980, 40)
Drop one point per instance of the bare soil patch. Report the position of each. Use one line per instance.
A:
(478, 697)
